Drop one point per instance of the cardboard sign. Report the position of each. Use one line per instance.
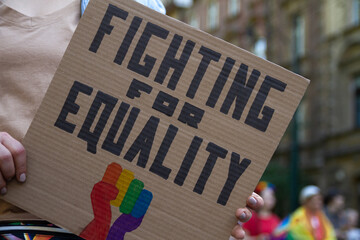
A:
(151, 129)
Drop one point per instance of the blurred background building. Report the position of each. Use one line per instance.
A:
(319, 39)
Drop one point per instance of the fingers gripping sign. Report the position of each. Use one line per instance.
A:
(12, 160)
(118, 188)
(253, 203)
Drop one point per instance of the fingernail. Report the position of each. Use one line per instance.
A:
(252, 201)
(22, 177)
(243, 216)
(3, 191)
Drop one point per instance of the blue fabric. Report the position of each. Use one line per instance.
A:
(84, 3)
(153, 4)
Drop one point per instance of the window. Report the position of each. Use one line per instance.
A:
(355, 16)
(357, 101)
(260, 48)
(194, 20)
(213, 15)
(298, 43)
(183, 3)
(233, 7)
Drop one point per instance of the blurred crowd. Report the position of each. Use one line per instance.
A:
(321, 216)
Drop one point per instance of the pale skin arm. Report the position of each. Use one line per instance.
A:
(13, 164)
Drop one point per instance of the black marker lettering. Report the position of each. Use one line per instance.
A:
(143, 143)
(157, 167)
(191, 115)
(123, 49)
(215, 152)
(208, 56)
(167, 109)
(220, 82)
(240, 91)
(71, 107)
(134, 63)
(105, 27)
(252, 118)
(188, 161)
(236, 169)
(92, 138)
(109, 144)
(170, 61)
(135, 87)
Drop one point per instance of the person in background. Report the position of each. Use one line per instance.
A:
(263, 222)
(352, 232)
(334, 203)
(308, 222)
(34, 35)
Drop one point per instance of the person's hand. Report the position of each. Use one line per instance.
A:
(12, 161)
(254, 202)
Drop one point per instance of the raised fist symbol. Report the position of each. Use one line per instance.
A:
(118, 188)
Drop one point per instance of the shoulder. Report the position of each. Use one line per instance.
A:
(298, 215)
(275, 218)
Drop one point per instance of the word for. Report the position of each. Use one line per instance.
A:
(166, 104)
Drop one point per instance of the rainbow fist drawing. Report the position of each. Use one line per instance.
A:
(119, 188)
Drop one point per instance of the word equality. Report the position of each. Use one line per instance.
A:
(239, 91)
(143, 143)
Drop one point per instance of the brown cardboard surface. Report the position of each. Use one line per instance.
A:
(219, 107)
